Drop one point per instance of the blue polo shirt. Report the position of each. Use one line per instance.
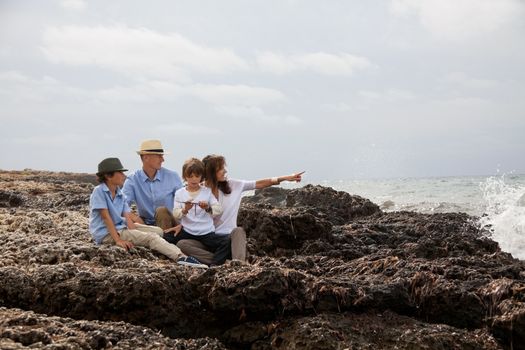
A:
(101, 199)
(151, 194)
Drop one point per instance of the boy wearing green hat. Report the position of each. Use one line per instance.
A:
(110, 222)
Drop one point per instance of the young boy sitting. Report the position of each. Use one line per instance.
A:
(110, 221)
(195, 206)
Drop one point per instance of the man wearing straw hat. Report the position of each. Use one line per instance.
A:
(153, 187)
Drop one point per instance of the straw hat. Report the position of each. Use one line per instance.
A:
(151, 147)
(110, 165)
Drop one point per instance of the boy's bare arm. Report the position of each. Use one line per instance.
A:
(113, 231)
(129, 220)
(135, 218)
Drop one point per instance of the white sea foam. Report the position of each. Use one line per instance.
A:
(505, 213)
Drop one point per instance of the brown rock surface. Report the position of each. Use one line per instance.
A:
(327, 271)
(26, 329)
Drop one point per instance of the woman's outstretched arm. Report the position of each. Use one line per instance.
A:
(263, 183)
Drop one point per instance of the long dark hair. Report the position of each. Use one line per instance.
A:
(212, 164)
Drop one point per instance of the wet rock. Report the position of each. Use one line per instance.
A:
(28, 330)
(251, 293)
(281, 232)
(338, 206)
(506, 300)
(270, 196)
(382, 331)
(46, 190)
(9, 199)
(247, 333)
(327, 270)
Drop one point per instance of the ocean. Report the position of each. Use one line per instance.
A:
(498, 200)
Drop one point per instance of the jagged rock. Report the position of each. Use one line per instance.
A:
(28, 330)
(281, 232)
(270, 196)
(336, 207)
(339, 207)
(506, 301)
(382, 331)
(327, 270)
(9, 199)
(46, 190)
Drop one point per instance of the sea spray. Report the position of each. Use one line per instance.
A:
(505, 213)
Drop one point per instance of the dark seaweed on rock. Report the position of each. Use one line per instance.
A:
(328, 270)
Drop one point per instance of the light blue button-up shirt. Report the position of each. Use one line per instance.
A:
(101, 199)
(151, 194)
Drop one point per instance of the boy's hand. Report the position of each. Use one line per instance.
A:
(136, 219)
(131, 225)
(203, 204)
(124, 244)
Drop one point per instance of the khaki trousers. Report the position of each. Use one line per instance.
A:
(148, 236)
(198, 250)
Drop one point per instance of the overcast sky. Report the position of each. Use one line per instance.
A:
(341, 89)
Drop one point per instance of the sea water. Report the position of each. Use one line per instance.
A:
(498, 201)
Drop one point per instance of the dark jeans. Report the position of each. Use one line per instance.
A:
(219, 245)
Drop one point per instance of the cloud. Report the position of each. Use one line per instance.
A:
(320, 62)
(184, 129)
(145, 92)
(19, 88)
(57, 139)
(338, 107)
(235, 94)
(76, 5)
(222, 94)
(460, 19)
(257, 114)
(469, 103)
(463, 80)
(368, 98)
(389, 95)
(136, 52)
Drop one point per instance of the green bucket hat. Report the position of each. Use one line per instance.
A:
(110, 165)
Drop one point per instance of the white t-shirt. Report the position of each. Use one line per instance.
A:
(230, 203)
(197, 222)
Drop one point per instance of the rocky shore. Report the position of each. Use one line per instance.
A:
(327, 270)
